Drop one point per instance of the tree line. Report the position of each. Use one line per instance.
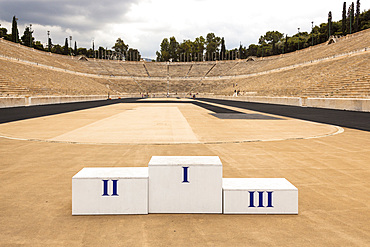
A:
(120, 51)
(272, 43)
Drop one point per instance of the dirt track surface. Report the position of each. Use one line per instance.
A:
(330, 171)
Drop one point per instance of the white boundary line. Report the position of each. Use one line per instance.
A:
(340, 130)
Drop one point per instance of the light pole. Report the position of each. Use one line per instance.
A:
(30, 35)
(298, 37)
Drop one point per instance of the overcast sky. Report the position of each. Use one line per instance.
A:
(144, 23)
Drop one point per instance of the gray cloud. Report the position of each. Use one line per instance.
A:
(79, 15)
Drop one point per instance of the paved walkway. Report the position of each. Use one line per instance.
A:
(171, 123)
(331, 173)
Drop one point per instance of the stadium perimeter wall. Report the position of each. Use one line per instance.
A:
(349, 104)
(330, 103)
(6, 102)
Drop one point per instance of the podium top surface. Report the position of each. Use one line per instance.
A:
(257, 184)
(112, 172)
(185, 160)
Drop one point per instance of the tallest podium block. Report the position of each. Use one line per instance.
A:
(185, 184)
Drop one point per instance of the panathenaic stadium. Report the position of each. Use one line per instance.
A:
(303, 116)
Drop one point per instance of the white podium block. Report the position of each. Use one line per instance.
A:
(185, 184)
(259, 196)
(119, 190)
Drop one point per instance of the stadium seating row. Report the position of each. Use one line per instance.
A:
(26, 71)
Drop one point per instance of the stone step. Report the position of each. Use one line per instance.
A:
(13, 91)
(362, 88)
(11, 86)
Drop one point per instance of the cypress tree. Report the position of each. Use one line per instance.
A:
(350, 16)
(49, 45)
(15, 33)
(357, 21)
(349, 23)
(66, 49)
(223, 49)
(75, 48)
(344, 19)
(329, 24)
(286, 43)
(241, 51)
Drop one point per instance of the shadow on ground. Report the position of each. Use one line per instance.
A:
(348, 119)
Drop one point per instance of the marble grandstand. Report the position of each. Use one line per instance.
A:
(338, 69)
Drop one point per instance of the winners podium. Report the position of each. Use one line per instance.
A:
(178, 184)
